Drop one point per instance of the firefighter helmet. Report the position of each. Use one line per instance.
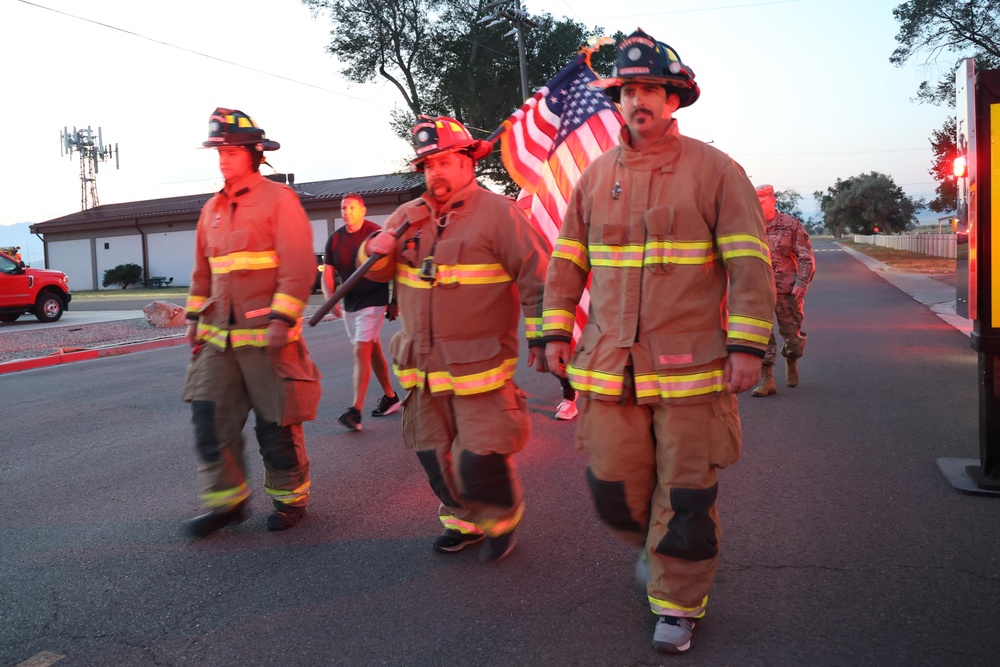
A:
(443, 134)
(230, 127)
(642, 59)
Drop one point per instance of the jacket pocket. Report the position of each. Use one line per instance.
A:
(658, 255)
(445, 262)
(300, 377)
(460, 354)
(686, 349)
(726, 433)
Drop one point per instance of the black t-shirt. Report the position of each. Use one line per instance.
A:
(342, 253)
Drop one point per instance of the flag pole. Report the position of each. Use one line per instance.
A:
(360, 272)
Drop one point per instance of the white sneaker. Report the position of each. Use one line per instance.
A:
(567, 409)
(673, 634)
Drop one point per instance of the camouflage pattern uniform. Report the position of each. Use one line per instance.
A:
(793, 264)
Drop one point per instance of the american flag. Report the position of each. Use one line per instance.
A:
(550, 140)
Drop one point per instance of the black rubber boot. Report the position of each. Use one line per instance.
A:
(206, 524)
(284, 517)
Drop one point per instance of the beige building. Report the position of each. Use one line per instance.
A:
(158, 234)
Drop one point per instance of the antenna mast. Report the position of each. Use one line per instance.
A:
(92, 152)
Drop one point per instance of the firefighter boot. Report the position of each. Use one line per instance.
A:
(765, 386)
(791, 371)
(206, 524)
(284, 516)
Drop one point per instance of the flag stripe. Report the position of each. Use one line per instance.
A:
(548, 143)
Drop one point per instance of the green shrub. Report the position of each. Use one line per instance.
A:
(124, 275)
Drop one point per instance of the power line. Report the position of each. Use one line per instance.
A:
(890, 150)
(203, 55)
(702, 9)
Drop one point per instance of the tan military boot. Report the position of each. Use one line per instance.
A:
(791, 371)
(765, 386)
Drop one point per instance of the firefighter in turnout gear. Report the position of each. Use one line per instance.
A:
(465, 269)
(254, 270)
(794, 268)
(681, 301)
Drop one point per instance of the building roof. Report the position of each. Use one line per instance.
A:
(310, 194)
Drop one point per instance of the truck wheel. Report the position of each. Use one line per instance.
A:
(49, 307)
(9, 318)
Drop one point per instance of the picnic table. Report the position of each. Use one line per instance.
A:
(159, 281)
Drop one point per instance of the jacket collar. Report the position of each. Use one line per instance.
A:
(242, 186)
(457, 200)
(661, 154)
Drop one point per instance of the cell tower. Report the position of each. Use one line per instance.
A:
(92, 153)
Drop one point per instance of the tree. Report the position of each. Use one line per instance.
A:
(124, 275)
(945, 151)
(444, 61)
(787, 201)
(938, 28)
(862, 204)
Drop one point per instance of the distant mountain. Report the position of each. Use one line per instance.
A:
(19, 234)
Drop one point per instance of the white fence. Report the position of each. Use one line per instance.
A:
(938, 245)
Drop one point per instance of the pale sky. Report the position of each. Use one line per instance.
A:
(799, 92)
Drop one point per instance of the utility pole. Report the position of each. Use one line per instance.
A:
(92, 152)
(510, 11)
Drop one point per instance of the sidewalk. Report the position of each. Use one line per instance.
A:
(935, 294)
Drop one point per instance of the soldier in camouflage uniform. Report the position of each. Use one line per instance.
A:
(794, 267)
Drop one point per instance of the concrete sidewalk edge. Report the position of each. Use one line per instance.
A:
(69, 355)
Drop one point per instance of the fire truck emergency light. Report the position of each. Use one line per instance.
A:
(961, 167)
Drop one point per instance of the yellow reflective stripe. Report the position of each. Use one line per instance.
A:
(471, 274)
(557, 320)
(609, 384)
(679, 252)
(464, 527)
(363, 257)
(289, 496)
(453, 274)
(533, 327)
(287, 305)
(679, 385)
(195, 303)
(409, 377)
(244, 261)
(409, 276)
(749, 328)
(248, 337)
(572, 250)
(219, 337)
(616, 255)
(661, 607)
(212, 335)
(743, 245)
(225, 498)
(461, 385)
(497, 527)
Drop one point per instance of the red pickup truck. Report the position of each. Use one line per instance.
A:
(43, 292)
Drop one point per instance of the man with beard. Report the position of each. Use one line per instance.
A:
(469, 264)
(671, 232)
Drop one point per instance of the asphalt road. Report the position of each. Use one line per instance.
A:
(843, 543)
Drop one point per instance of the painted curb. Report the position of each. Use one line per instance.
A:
(69, 356)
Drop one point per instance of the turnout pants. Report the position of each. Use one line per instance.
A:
(652, 475)
(789, 311)
(466, 445)
(222, 387)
